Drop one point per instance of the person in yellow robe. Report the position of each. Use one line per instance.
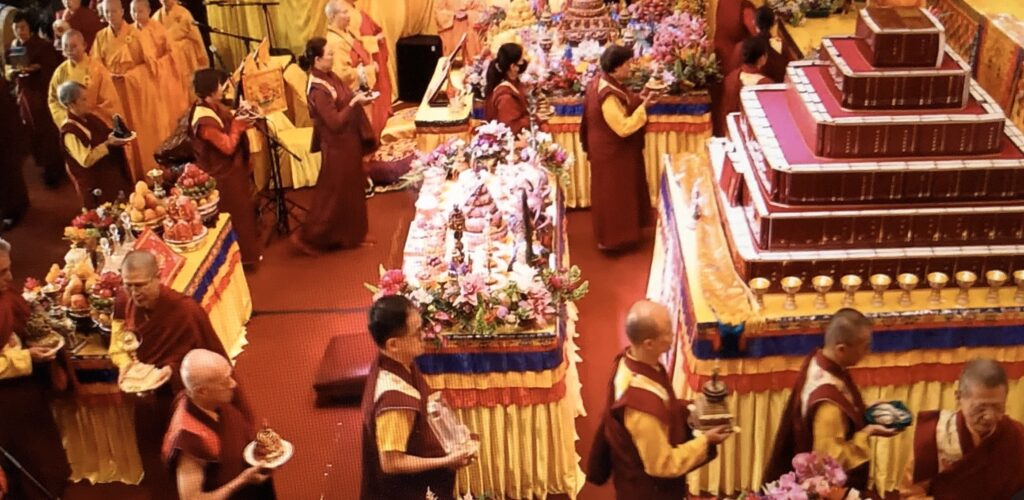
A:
(455, 18)
(84, 69)
(371, 35)
(131, 59)
(186, 44)
(171, 81)
(352, 62)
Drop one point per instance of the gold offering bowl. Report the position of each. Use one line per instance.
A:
(937, 281)
(907, 282)
(995, 279)
(879, 283)
(850, 283)
(965, 280)
(759, 287)
(1018, 278)
(791, 285)
(822, 284)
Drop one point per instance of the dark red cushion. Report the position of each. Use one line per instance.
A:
(343, 369)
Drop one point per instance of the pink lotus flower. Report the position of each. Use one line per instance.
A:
(392, 282)
(470, 287)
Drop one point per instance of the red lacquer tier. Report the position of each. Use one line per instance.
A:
(902, 37)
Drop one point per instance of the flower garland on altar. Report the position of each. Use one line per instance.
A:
(814, 477)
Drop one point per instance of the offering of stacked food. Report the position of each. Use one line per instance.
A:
(44, 330)
(891, 414)
(483, 219)
(198, 185)
(145, 209)
(268, 450)
(101, 297)
(76, 282)
(183, 229)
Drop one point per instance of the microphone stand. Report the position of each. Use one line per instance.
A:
(264, 5)
(247, 39)
(30, 477)
(282, 207)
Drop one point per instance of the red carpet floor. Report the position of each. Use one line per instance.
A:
(301, 302)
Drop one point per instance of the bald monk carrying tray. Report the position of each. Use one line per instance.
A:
(82, 68)
(976, 451)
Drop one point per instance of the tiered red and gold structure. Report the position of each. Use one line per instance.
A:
(879, 177)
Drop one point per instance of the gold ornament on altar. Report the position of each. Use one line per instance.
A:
(711, 409)
(965, 280)
(822, 285)
(879, 283)
(995, 279)
(1018, 278)
(759, 287)
(907, 282)
(457, 224)
(791, 285)
(850, 283)
(936, 281)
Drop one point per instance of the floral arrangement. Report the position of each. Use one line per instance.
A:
(547, 153)
(443, 157)
(794, 12)
(651, 11)
(461, 301)
(491, 18)
(681, 44)
(91, 225)
(814, 477)
(492, 140)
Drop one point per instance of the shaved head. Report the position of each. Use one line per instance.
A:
(982, 373)
(202, 368)
(848, 327)
(140, 261)
(646, 320)
(72, 34)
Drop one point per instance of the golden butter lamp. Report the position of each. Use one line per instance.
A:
(850, 283)
(759, 287)
(1018, 278)
(995, 279)
(937, 281)
(822, 284)
(791, 285)
(965, 280)
(907, 282)
(879, 283)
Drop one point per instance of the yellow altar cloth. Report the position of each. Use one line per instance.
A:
(99, 438)
(807, 37)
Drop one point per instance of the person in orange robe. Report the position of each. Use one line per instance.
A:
(13, 192)
(171, 85)
(27, 429)
(131, 59)
(352, 62)
(167, 325)
(456, 18)
(31, 80)
(82, 68)
(976, 451)
(506, 95)
(644, 441)
(612, 134)
(342, 134)
(218, 141)
(95, 158)
(208, 432)
(186, 43)
(755, 57)
(82, 19)
(825, 412)
(373, 39)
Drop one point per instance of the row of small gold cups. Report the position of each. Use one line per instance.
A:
(880, 283)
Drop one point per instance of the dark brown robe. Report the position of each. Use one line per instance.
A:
(13, 192)
(621, 203)
(992, 469)
(343, 135)
(614, 452)
(774, 69)
(221, 151)
(507, 104)
(796, 430)
(86, 21)
(218, 443)
(734, 22)
(33, 89)
(109, 176)
(27, 429)
(422, 442)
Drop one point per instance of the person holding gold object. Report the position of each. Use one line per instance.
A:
(976, 451)
(612, 134)
(167, 325)
(402, 455)
(184, 41)
(90, 72)
(825, 412)
(208, 432)
(27, 429)
(644, 442)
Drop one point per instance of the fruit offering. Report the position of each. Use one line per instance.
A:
(198, 185)
(183, 223)
(144, 206)
(104, 291)
(80, 279)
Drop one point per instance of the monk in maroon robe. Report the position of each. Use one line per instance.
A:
(506, 95)
(13, 192)
(976, 451)
(95, 158)
(612, 134)
(751, 72)
(402, 457)
(205, 441)
(168, 325)
(343, 135)
(644, 441)
(83, 19)
(825, 412)
(27, 429)
(218, 141)
(734, 22)
(32, 80)
(775, 66)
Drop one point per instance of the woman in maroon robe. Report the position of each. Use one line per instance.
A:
(612, 133)
(95, 158)
(82, 18)
(343, 135)
(506, 96)
(218, 140)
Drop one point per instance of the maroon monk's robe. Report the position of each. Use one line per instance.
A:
(343, 135)
(390, 386)
(732, 84)
(13, 192)
(994, 468)
(218, 141)
(614, 451)
(507, 104)
(84, 20)
(774, 69)
(796, 430)
(27, 429)
(218, 443)
(621, 203)
(733, 24)
(33, 89)
(109, 176)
